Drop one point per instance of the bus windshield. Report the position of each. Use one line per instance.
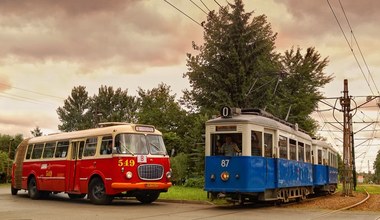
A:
(139, 144)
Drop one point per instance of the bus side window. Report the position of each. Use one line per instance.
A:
(106, 141)
(37, 151)
(90, 147)
(61, 150)
(29, 151)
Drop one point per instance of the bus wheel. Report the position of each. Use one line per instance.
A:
(76, 196)
(14, 190)
(33, 192)
(97, 192)
(148, 196)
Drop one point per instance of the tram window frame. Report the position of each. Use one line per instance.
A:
(221, 138)
(268, 145)
(61, 149)
(301, 151)
(319, 156)
(283, 147)
(29, 151)
(90, 147)
(49, 150)
(292, 149)
(37, 151)
(256, 143)
(308, 153)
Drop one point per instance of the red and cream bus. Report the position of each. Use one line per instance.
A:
(115, 160)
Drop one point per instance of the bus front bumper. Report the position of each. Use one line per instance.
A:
(141, 186)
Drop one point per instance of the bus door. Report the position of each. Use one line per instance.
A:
(75, 162)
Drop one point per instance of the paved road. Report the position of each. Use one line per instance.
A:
(59, 206)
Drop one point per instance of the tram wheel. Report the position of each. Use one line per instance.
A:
(33, 192)
(148, 196)
(97, 192)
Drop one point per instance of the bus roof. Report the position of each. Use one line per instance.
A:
(106, 130)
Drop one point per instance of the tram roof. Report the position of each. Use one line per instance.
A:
(266, 121)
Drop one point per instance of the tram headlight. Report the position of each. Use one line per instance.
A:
(169, 174)
(129, 175)
(225, 176)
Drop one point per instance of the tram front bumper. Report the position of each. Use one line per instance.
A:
(141, 186)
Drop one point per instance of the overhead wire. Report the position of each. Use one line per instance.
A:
(357, 44)
(184, 13)
(352, 50)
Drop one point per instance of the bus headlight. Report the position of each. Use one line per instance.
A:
(225, 176)
(169, 174)
(129, 175)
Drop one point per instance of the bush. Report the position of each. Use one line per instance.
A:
(179, 165)
(197, 182)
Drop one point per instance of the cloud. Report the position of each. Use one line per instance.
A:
(4, 83)
(127, 35)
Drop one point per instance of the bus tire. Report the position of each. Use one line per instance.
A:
(76, 196)
(14, 191)
(33, 192)
(147, 196)
(97, 192)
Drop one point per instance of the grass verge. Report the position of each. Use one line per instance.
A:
(184, 193)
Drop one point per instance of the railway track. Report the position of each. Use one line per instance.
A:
(332, 212)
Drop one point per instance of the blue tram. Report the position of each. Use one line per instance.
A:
(270, 160)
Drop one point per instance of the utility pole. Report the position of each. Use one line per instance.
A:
(345, 102)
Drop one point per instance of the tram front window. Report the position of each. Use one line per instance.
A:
(226, 144)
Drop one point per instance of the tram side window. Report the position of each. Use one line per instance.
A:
(256, 143)
(106, 142)
(61, 151)
(49, 150)
(268, 145)
(301, 151)
(90, 147)
(283, 144)
(293, 149)
(29, 151)
(319, 156)
(308, 153)
(37, 151)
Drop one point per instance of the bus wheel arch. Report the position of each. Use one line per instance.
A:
(97, 191)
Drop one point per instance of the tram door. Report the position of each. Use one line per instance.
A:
(75, 162)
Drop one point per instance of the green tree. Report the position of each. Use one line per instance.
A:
(180, 165)
(298, 92)
(36, 132)
(111, 105)
(159, 108)
(7, 141)
(74, 114)
(376, 167)
(235, 63)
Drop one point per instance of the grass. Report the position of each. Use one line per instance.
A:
(371, 188)
(5, 185)
(184, 193)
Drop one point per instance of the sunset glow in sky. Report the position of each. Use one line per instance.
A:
(48, 47)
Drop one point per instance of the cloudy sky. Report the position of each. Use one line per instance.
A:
(48, 47)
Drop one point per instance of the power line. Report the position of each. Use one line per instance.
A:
(198, 7)
(357, 44)
(352, 51)
(38, 93)
(184, 13)
(205, 5)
